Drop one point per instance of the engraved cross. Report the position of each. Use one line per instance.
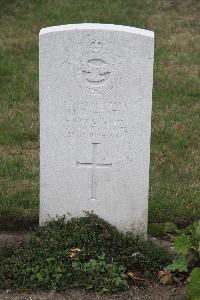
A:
(93, 165)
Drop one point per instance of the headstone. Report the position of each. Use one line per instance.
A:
(95, 122)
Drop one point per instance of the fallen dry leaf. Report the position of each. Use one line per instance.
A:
(105, 233)
(165, 277)
(25, 292)
(136, 276)
(74, 252)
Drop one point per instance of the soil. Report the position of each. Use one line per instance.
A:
(149, 290)
(13, 223)
(153, 292)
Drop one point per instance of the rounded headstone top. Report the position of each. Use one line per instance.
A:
(95, 26)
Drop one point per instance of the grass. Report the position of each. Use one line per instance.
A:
(85, 252)
(174, 185)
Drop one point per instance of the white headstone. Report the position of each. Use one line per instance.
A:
(95, 122)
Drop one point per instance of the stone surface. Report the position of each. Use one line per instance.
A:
(95, 120)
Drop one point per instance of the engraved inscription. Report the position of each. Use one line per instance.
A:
(96, 119)
(93, 165)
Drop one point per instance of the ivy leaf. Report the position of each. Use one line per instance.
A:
(198, 229)
(182, 244)
(179, 264)
(104, 290)
(170, 227)
(193, 286)
(196, 234)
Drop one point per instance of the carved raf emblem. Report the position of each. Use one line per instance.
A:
(96, 69)
(96, 72)
(93, 165)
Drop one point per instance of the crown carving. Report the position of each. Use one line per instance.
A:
(95, 45)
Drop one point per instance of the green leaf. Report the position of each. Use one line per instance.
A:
(196, 234)
(198, 229)
(76, 265)
(182, 244)
(170, 227)
(193, 285)
(179, 264)
(104, 290)
(156, 229)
